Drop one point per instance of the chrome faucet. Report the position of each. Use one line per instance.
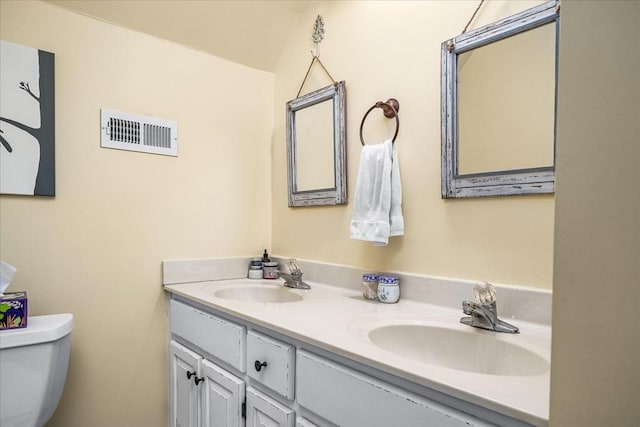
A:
(293, 278)
(483, 311)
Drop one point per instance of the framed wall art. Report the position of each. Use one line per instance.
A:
(27, 120)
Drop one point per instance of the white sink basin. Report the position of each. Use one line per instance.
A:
(259, 293)
(468, 349)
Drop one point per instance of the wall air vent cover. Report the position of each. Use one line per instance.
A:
(124, 131)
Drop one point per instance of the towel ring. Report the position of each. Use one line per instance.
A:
(390, 109)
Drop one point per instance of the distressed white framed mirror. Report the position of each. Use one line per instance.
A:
(499, 107)
(316, 148)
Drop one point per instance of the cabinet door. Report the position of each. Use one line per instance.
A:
(184, 367)
(262, 411)
(222, 397)
(303, 422)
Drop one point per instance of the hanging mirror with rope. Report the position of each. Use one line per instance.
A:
(316, 134)
(499, 106)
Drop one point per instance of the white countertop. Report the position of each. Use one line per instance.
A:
(338, 319)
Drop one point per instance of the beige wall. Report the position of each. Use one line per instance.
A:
(596, 286)
(386, 49)
(95, 249)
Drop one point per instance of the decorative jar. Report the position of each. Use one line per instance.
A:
(370, 286)
(388, 289)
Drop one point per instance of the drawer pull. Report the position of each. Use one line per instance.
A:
(198, 380)
(259, 365)
(190, 374)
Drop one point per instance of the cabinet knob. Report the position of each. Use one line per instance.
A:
(259, 365)
(198, 380)
(190, 374)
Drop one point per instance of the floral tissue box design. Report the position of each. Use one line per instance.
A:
(13, 310)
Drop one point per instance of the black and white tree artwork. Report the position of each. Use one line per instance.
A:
(27, 120)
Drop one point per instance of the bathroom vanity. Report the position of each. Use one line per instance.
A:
(252, 352)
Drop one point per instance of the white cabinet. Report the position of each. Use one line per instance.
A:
(301, 422)
(222, 339)
(225, 371)
(271, 362)
(184, 366)
(201, 393)
(349, 398)
(262, 411)
(222, 397)
(204, 393)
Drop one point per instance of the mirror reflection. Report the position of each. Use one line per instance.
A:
(506, 103)
(314, 147)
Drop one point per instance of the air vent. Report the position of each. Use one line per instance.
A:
(124, 131)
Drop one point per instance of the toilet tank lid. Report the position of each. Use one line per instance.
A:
(40, 329)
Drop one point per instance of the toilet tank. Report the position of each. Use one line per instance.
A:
(33, 369)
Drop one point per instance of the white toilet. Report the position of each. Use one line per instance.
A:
(33, 369)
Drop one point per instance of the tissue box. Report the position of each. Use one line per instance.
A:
(13, 310)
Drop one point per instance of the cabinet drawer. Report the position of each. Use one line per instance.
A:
(349, 398)
(278, 373)
(222, 339)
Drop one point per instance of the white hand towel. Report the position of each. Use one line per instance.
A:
(396, 220)
(377, 210)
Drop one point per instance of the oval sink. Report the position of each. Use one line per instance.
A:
(258, 293)
(472, 350)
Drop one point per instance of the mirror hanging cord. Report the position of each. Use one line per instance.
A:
(313, 60)
(317, 36)
(472, 16)
(466, 27)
